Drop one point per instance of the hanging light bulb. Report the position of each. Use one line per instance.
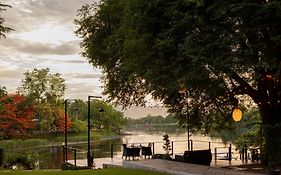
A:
(237, 114)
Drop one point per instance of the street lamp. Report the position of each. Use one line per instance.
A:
(237, 114)
(65, 127)
(90, 159)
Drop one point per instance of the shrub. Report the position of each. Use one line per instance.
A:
(26, 161)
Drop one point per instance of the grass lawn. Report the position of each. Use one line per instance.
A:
(107, 171)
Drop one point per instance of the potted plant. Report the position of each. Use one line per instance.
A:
(167, 147)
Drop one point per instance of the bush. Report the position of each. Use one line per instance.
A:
(78, 126)
(23, 160)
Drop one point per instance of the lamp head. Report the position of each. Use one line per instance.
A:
(237, 114)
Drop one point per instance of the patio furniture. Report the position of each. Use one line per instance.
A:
(146, 150)
(201, 157)
(131, 152)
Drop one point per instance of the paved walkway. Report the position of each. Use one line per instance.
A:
(170, 167)
(180, 168)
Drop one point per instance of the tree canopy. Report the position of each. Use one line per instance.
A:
(45, 90)
(217, 49)
(16, 116)
(43, 86)
(103, 115)
(218, 52)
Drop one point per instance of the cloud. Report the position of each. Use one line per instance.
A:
(44, 38)
(84, 75)
(82, 90)
(36, 48)
(25, 13)
(9, 74)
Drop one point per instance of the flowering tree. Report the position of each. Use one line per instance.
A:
(58, 125)
(16, 116)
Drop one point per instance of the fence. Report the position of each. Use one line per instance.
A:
(220, 151)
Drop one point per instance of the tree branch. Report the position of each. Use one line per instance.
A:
(244, 87)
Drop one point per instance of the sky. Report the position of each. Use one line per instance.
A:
(44, 38)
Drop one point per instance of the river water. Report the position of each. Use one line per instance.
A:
(51, 157)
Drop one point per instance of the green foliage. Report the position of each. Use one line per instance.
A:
(25, 160)
(152, 120)
(45, 91)
(42, 86)
(154, 124)
(109, 118)
(17, 143)
(167, 144)
(220, 51)
(247, 131)
(79, 126)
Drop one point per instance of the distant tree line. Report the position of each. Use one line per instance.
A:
(150, 119)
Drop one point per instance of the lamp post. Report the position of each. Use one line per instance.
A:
(65, 127)
(90, 159)
(65, 131)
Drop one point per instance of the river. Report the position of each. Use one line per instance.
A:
(51, 157)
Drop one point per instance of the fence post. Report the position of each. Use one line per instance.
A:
(191, 145)
(65, 148)
(216, 154)
(75, 157)
(111, 151)
(172, 148)
(63, 153)
(229, 153)
(246, 153)
(153, 148)
(1, 156)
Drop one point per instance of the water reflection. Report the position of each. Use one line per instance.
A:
(51, 157)
(179, 141)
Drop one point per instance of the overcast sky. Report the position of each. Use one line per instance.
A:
(44, 38)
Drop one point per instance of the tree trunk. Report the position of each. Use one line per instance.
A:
(271, 153)
(270, 109)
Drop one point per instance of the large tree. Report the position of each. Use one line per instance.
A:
(103, 114)
(43, 86)
(3, 29)
(46, 91)
(218, 52)
(16, 117)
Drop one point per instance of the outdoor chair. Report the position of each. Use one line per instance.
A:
(130, 152)
(146, 150)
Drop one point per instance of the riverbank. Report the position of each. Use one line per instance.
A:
(55, 140)
(47, 152)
